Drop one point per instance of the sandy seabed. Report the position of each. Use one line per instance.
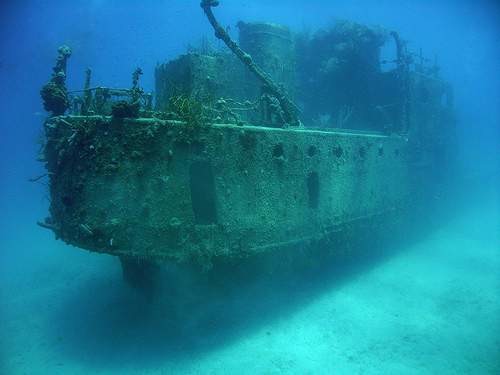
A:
(431, 308)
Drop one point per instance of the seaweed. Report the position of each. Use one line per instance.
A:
(188, 109)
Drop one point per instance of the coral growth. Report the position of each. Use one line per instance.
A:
(339, 74)
(125, 109)
(54, 94)
(130, 109)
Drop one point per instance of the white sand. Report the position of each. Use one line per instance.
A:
(433, 308)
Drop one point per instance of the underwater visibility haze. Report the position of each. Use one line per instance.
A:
(250, 187)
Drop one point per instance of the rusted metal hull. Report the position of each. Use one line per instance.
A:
(159, 190)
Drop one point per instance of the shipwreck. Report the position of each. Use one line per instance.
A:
(279, 142)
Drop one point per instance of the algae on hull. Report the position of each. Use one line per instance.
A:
(140, 189)
(212, 173)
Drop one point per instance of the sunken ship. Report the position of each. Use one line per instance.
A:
(280, 141)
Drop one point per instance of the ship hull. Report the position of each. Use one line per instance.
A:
(164, 190)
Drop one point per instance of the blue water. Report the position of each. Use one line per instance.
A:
(432, 308)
